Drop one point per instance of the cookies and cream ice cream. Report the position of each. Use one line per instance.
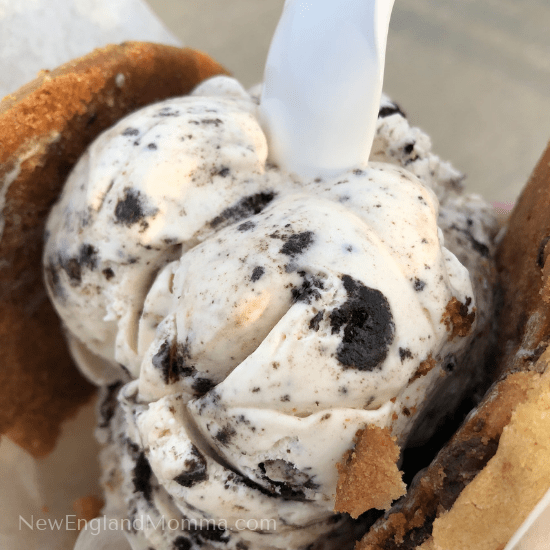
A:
(259, 319)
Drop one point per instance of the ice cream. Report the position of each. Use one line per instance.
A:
(260, 319)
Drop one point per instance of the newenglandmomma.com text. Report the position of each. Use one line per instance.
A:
(72, 523)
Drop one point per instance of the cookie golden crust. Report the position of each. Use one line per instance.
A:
(525, 273)
(44, 128)
(474, 465)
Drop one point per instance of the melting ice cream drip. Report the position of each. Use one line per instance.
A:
(323, 83)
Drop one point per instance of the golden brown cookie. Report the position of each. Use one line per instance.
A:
(44, 128)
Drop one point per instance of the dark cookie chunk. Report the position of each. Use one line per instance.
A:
(142, 477)
(316, 321)
(257, 274)
(368, 326)
(297, 244)
(182, 543)
(108, 273)
(130, 210)
(246, 207)
(87, 256)
(202, 386)
(225, 435)
(479, 247)
(223, 172)
(246, 226)
(167, 111)
(212, 533)
(419, 285)
(195, 470)
(73, 270)
(172, 362)
(108, 405)
(286, 479)
(405, 353)
(73, 267)
(309, 291)
(409, 148)
(389, 110)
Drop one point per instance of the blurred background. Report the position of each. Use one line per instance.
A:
(475, 74)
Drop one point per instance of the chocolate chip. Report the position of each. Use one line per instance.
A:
(195, 470)
(152, 146)
(257, 274)
(368, 326)
(131, 132)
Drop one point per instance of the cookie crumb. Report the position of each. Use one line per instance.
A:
(368, 474)
(457, 319)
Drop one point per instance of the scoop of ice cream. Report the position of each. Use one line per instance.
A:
(265, 318)
(147, 190)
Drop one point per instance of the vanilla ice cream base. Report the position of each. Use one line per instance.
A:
(180, 257)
